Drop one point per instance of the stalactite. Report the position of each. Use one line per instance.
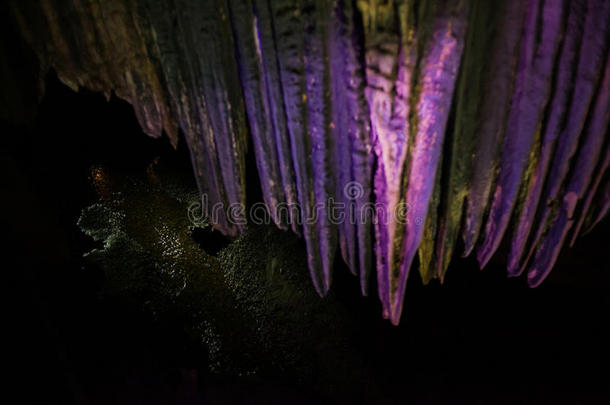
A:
(390, 59)
(462, 140)
(498, 83)
(556, 115)
(437, 76)
(420, 120)
(255, 48)
(531, 93)
(580, 177)
(301, 30)
(592, 192)
(593, 48)
(350, 127)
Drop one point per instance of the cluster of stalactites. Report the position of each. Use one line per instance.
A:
(485, 119)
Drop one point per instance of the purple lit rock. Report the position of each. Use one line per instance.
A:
(420, 120)
(390, 60)
(559, 103)
(593, 49)
(351, 128)
(438, 74)
(531, 93)
(496, 99)
(259, 70)
(587, 158)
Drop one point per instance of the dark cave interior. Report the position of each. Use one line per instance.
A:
(478, 335)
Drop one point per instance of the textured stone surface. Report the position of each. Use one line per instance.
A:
(248, 301)
(426, 120)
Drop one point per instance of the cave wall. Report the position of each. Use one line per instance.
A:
(430, 121)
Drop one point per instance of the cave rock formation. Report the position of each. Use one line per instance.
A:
(425, 121)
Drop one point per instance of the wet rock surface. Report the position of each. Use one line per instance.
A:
(250, 304)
